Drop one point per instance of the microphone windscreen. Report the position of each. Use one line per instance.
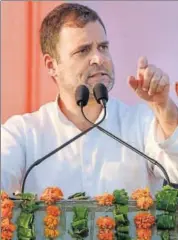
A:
(82, 95)
(100, 92)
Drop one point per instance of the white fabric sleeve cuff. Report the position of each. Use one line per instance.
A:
(170, 144)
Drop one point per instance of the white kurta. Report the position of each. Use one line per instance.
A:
(95, 163)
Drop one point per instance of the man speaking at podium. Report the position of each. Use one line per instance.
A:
(76, 51)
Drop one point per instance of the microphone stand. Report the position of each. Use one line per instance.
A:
(154, 162)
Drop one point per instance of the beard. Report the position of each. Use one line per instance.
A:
(91, 78)
(66, 84)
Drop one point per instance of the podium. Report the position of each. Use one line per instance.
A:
(94, 211)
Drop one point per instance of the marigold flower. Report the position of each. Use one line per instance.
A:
(144, 234)
(143, 198)
(52, 195)
(51, 221)
(105, 199)
(53, 210)
(51, 233)
(144, 220)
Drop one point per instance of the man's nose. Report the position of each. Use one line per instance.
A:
(97, 58)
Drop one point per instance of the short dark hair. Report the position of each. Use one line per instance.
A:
(66, 14)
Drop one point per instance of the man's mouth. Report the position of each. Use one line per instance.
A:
(98, 78)
(98, 74)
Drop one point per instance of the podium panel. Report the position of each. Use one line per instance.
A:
(94, 211)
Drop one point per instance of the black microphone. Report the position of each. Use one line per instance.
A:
(101, 95)
(82, 96)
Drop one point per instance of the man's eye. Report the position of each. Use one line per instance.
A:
(103, 47)
(84, 50)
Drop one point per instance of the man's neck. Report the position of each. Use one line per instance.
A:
(73, 113)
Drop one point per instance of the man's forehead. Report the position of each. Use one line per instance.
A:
(75, 36)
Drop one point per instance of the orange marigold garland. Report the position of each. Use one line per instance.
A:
(143, 220)
(106, 225)
(51, 221)
(7, 227)
(143, 198)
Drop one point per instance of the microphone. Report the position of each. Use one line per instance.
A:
(82, 96)
(101, 95)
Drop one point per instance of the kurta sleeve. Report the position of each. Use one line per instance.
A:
(12, 154)
(164, 151)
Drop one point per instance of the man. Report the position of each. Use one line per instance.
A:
(76, 51)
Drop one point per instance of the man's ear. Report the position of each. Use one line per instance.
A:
(50, 64)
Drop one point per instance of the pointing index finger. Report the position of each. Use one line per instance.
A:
(142, 63)
(141, 66)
